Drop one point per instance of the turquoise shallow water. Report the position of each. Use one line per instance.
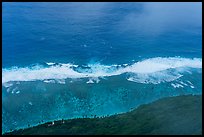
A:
(68, 60)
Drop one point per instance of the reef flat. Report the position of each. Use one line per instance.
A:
(172, 115)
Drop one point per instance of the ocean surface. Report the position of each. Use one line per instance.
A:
(70, 60)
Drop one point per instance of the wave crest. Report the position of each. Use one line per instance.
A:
(153, 67)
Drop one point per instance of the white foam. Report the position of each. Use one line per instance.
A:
(158, 64)
(8, 90)
(189, 72)
(154, 78)
(68, 65)
(30, 103)
(192, 86)
(183, 83)
(97, 80)
(49, 81)
(189, 82)
(176, 85)
(131, 79)
(153, 67)
(90, 81)
(50, 63)
(60, 81)
(13, 91)
(7, 84)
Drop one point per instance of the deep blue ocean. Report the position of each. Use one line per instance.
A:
(68, 60)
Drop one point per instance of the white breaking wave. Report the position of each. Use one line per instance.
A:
(143, 70)
(155, 78)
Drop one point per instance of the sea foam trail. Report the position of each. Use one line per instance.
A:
(62, 71)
